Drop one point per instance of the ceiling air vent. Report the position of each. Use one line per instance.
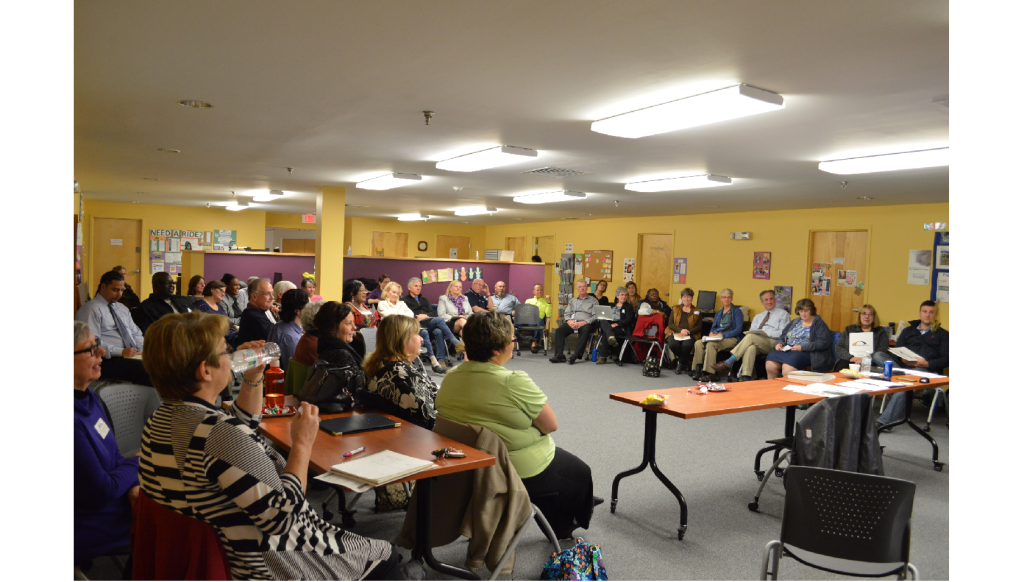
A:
(559, 172)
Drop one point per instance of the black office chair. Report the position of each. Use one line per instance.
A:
(527, 320)
(845, 523)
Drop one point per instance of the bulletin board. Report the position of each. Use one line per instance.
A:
(940, 274)
(597, 265)
(166, 246)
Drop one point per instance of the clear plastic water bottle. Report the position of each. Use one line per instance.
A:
(243, 360)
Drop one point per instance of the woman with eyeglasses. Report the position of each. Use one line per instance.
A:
(215, 466)
(106, 484)
(868, 323)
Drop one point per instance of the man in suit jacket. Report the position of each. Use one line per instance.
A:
(161, 302)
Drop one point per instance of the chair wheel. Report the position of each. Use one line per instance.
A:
(348, 520)
(618, 363)
(779, 472)
(938, 467)
(612, 505)
(760, 475)
(927, 427)
(752, 506)
(328, 515)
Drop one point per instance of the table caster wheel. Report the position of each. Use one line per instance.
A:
(938, 467)
(752, 506)
(760, 475)
(613, 504)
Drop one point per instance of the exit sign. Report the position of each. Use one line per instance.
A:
(309, 219)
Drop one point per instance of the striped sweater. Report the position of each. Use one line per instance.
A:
(215, 467)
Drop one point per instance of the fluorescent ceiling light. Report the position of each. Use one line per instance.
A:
(268, 196)
(489, 158)
(388, 181)
(684, 183)
(474, 210)
(236, 206)
(545, 197)
(888, 162)
(711, 107)
(411, 217)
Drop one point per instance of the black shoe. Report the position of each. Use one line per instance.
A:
(695, 372)
(572, 360)
(679, 367)
(598, 500)
(732, 378)
(745, 378)
(557, 359)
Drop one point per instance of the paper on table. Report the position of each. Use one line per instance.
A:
(351, 485)
(918, 372)
(825, 390)
(882, 383)
(856, 384)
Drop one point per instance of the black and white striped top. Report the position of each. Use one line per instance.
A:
(215, 467)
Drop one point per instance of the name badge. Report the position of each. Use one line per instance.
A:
(102, 428)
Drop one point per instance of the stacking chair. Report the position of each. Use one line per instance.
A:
(295, 377)
(845, 523)
(169, 546)
(130, 406)
(527, 318)
(940, 391)
(650, 332)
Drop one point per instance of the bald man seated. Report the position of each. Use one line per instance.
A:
(504, 303)
(161, 302)
(480, 297)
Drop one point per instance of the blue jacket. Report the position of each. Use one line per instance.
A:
(734, 330)
(818, 346)
(103, 517)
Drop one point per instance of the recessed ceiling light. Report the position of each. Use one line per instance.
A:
(545, 197)
(711, 107)
(865, 198)
(354, 206)
(194, 103)
(411, 217)
(489, 158)
(168, 150)
(888, 162)
(268, 196)
(142, 193)
(474, 210)
(684, 183)
(235, 206)
(389, 181)
(570, 218)
(136, 202)
(152, 179)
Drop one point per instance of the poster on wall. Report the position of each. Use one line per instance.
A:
(942, 257)
(942, 288)
(679, 271)
(762, 265)
(224, 240)
(628, 269)
(444, 275)
(840, 278)
(784, 298)
(851, 278)
(919, 267)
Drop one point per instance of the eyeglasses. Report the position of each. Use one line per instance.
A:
(91, 349)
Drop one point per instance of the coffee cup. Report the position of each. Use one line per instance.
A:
(855, 367)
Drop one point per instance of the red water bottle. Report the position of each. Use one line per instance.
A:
(273, 384)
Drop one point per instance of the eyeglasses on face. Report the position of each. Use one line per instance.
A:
(91, 349)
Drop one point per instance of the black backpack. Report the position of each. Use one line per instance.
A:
(330, 385)
(652, 367)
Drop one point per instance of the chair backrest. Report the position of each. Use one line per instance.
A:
(706, 301)
(847, 523)
(526, 314)
(295, 377)
(370, 337)
(835, 342)
(169, 546)
(130, 406)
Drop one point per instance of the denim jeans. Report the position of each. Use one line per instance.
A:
(436, 327)
(897, 406)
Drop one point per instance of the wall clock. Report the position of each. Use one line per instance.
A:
(422, 245)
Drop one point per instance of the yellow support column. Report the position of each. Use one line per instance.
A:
(330, 241)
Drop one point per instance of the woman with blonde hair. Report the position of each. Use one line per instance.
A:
(214, 465)
(393, 384)
(867, 323)
(453, 308)
(391, 304)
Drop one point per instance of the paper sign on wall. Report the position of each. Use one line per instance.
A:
(628, 269)
(919, 267)
(568, 247)
(679, 271)
(116, 242)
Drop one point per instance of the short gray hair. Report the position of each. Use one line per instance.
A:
(82, 331)
(727, 290)
(251, 279)
(620, 290)
(413, 280)
(254, 285)
(281, 286)
(308, 313)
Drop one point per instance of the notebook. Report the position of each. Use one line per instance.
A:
(381, 467)
(353, 424)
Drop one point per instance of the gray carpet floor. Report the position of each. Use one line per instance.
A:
(711, 461)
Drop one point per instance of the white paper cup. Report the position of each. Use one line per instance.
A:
(855, 367)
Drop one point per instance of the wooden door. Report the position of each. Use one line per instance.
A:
(545, 248)
(850, 249)
(390, 244)
(117, 241)
(446, 243)
(654, 264)
(517, 244)
(298, 245)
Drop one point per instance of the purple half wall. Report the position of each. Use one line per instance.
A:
(519, 277)
(244, 266)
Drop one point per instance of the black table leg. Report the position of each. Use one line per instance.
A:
(936, 463)
(650, 436)
(775, 445)
(423, 550)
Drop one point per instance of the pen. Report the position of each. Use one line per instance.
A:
(350, 453)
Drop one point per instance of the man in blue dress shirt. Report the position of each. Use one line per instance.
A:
(771, 322)
(117, 333)
(504, 303)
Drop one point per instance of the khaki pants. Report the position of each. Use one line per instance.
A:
(749, 348)
(707, 352)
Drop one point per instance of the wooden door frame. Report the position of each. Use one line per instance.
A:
(810, 258)
(639, 258)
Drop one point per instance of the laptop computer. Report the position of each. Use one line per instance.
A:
(603, 312)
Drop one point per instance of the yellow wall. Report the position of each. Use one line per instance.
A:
(362, 229)
(715, 261)
(277, 220)
(250, 224)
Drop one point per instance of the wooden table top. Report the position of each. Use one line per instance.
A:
(408, 439)
(743, 397)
